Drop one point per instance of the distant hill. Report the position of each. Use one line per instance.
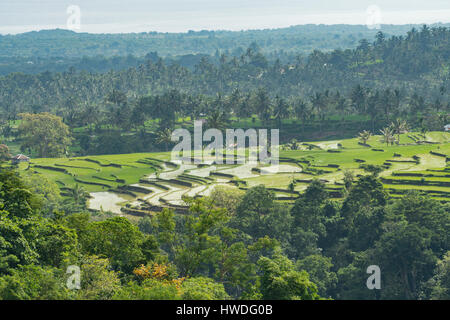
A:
(299, 39)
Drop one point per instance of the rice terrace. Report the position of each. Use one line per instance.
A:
(143, 183)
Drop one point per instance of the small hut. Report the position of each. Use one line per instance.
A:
(20, 158)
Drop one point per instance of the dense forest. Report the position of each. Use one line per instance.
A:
(121, 125)
(231, 245)
(416, 62)
(60, 50)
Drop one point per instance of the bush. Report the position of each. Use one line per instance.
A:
(203, 288)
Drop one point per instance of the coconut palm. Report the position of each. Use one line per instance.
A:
(319, 104)
(217, 120)
(442, 118)
(301, 112)
(364, 136)
(398, 127)
(294, 145)
(388, 135)
(281, 110)
(423, 131)
(79, 194)
(262, 105)
(164, 137)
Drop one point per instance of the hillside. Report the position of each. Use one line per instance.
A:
(147, 182)
(300, 39)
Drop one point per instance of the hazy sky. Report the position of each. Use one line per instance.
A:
(112, 16)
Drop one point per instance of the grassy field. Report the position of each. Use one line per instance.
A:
(417, 163)
(110, 170)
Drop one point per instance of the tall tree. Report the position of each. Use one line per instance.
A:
(46, 133)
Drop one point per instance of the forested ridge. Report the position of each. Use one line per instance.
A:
(298, 39)
(417, 62)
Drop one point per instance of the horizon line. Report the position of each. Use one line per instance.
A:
(65, 29)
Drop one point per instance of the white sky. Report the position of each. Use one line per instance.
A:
(123, 16)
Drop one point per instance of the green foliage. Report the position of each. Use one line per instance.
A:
(202, 288)
(438, 287)
(117, 239)
(26, 237)
(98, 282)
(15, 248)
(227, 197)
(15, 198)
(150, 289)
(4, 153)
(280, 280)
(259, 215)
(320, 272)
(46, 133)
(309, 217)
(368, 191)
(405, 239)
(231, 245)
(56, 244)
(33, 282)
(46, 190)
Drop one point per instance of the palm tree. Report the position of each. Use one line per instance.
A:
(372, 107)
(281, 110)
(301, 112)
(364, 136)
(388, 135)
(262, 105)
(294, 145)
(164, 137)
(349, 178)
(341, 105)
(358, 98)
(79, 194)
(423, 131)
(398, 127)
(292, 184)
(319, 103)
(442, 118)
(217, 120)
(417, 103)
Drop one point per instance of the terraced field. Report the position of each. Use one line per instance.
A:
(141, 184)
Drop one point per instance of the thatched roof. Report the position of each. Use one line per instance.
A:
(21, 157)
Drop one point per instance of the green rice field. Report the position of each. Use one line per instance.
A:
(141, 183)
